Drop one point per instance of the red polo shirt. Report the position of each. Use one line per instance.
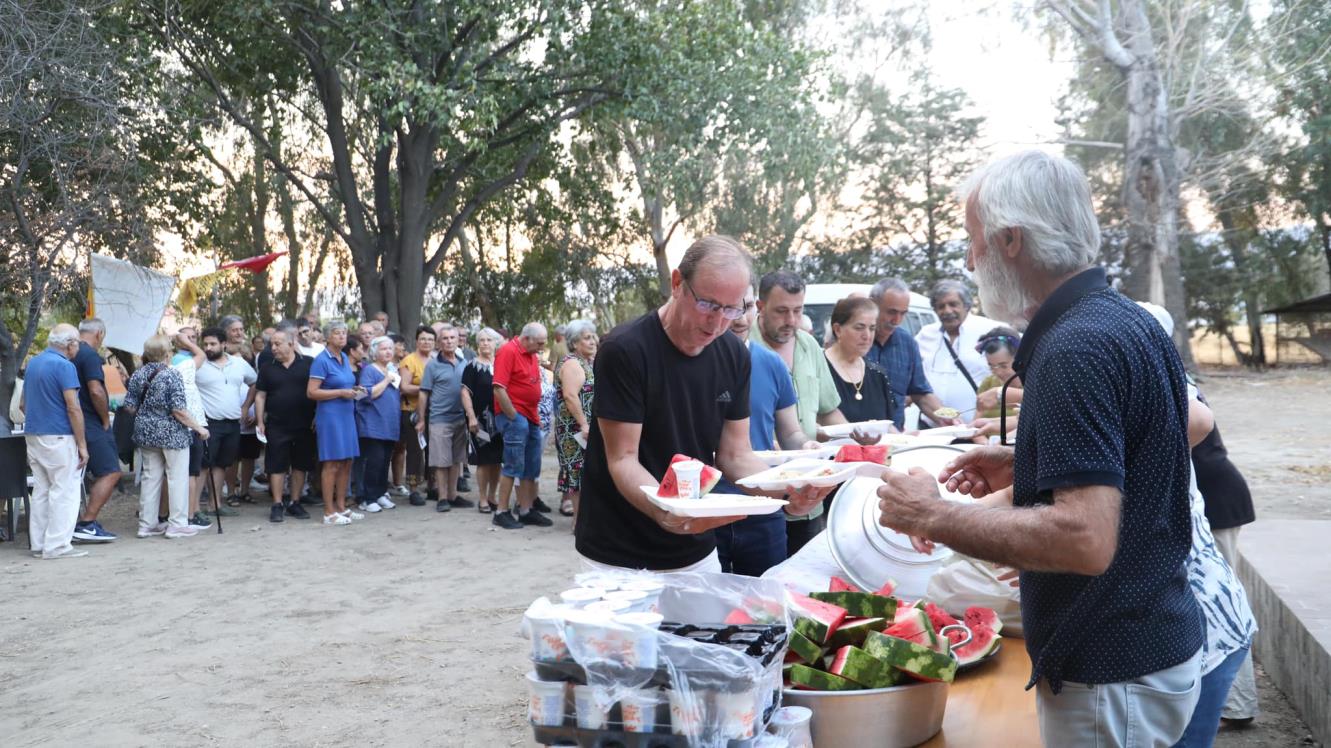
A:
(519, 372)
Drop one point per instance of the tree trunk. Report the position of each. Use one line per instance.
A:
(1151, 185)
(263, 295)
(1324, 228)
(8, 375)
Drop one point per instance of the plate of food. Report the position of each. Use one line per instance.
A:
(838, 430)
(804, 472)
(714, 504)
(781, 456)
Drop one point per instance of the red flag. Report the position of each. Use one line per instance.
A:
(253, 264)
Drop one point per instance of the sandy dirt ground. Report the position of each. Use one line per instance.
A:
(401, 630)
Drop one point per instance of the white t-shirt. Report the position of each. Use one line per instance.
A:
(223, 388)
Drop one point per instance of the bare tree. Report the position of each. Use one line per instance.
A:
(67, 160)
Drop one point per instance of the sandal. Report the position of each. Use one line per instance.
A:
(233, 501)
(484, 507)
(244, 498)
(566, 507)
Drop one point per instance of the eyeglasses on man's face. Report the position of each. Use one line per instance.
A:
(707, 306)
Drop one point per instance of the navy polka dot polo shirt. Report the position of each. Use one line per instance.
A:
(1106, 404)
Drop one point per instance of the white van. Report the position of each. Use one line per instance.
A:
(819, 298)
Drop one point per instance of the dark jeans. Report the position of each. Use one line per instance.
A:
(376, 455)
(800, 532)
(752, 545)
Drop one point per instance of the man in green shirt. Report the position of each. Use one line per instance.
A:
(780, 307)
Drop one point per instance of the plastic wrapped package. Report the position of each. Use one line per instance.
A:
(696, 662)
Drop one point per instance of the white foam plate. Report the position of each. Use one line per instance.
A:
(837, 430)
(808, 472)
(781, 456)
(715, 505)
(955, 432)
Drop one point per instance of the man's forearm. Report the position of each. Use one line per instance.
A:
(76, 425)
(927, 402)
(831, 417)
(792, 440)
(628, 474)
(100, 404)
(1029, 538)
(505, 404)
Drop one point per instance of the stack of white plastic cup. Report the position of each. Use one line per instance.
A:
(547, 699)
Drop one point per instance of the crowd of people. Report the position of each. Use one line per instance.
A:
(1118, 504)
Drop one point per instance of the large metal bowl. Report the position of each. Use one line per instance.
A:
(895, 717)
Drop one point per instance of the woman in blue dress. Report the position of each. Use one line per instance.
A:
(333, 387)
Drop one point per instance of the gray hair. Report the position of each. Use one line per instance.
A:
(93, 325)
(61, 336)
(945, 288)
(334, 326)
(788, 281)
(286, 325)
(1044, 196)
(490, 333)
(229, 320)
(533, 329)
(574, 331)
(715, 251)
(888, 284)
(374, 344)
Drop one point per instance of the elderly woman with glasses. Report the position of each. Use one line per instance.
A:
(377, 422)
(575, 380)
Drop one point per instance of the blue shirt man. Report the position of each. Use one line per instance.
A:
(49, 375)
(896, 351)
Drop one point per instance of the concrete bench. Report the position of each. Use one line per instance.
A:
(1285, 565)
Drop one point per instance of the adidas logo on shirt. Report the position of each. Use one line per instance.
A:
(724, 397)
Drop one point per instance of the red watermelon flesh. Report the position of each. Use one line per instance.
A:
(983, 642)
(669, 487)
(978, 618)
(849, 453)
(875, 453)
(940, 619)
(887, 589)
(837, 584)
(914, 626)
(738, 616)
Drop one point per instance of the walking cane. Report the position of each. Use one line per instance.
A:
(212, 489)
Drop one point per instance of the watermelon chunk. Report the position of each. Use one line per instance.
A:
(914, 626)
(822, 618)
(837, 584)
(861, 604)
(912, 659)
(849, 453)
(878, 453)
(808, 679)
(738, 617)
(887, 589)
(854, 631)
(670, 484)
(939, 618)
(983, 642)
(978, 617)
(804, 649)
(854, 664)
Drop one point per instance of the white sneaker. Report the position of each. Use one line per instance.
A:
(152, 531)
(401, 491)
(370, 507)
(67, 553)
(385, 503)
(336, 519)
(183, 531)
(350, 514)
(258, 487)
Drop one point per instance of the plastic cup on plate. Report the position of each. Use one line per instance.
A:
(579, 597)
(638, 709)
(688, 474)
(547, 636)
(641, 631)
(546, 706)
(591, 715)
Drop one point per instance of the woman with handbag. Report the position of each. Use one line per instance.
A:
(573, 425)
(478, 403)
(155, 399)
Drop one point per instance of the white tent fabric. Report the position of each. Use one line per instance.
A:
(130, 300)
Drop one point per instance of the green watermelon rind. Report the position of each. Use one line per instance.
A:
(865, 669)
(977, 649)
(911, 658)
(859, 604)
(854, 633)
(817, 680)
(805, 648)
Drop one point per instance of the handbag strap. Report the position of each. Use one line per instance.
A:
(957, 361)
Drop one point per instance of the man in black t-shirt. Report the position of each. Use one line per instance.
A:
(285, 417)
(103, 463)
(671, 382)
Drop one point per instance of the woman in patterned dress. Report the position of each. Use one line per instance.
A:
(575, 380)
(333, 387)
